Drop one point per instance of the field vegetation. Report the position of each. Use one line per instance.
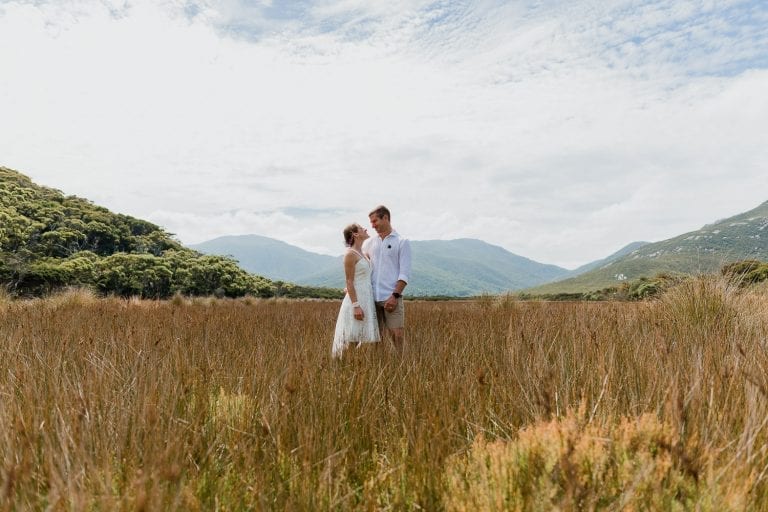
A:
(496, 404)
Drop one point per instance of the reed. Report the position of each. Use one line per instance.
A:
(193, 404)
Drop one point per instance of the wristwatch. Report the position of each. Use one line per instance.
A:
(397, 295)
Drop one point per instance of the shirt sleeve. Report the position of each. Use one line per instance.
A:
(405, 261)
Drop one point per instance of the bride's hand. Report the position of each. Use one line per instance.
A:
(359, 315)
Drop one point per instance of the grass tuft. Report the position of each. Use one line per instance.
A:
(206, 404)
(568, 463)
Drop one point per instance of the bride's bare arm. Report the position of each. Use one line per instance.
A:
(350, 260)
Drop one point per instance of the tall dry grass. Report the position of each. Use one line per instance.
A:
(237, 405)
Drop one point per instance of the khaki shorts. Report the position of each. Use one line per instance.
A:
(391, 319)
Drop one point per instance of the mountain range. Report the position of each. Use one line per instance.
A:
(706, 250)
(49, 240)
(269, 257)
(458, 268)
(467, 267)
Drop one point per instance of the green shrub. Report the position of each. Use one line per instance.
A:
(746, 272)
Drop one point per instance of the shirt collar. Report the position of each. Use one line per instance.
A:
(392, 234)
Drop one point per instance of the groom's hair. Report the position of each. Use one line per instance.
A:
(380, 212)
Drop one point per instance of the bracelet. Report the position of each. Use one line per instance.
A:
(355, 304)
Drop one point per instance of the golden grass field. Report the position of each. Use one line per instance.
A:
(496, 404)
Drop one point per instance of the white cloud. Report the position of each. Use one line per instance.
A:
(561, 131)
(319, 233)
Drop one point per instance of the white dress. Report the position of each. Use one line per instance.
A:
(349, 329)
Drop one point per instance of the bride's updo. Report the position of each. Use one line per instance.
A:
(349, 234)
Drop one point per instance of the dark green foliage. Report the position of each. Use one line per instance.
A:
(746, 271)
(49, 241)
(638, 289)
(646, 288)
(43, 276)
(46, 223)
(294, 291)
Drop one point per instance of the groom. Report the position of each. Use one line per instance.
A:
(390, 256)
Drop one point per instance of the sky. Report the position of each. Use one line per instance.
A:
(559, 130)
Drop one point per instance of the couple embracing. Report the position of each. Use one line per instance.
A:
(377, 271)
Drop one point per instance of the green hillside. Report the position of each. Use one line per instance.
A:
(707, 250)
(472, 267)
(49, 240)
(608, 259)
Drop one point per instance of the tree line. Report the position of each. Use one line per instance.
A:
(49, 241)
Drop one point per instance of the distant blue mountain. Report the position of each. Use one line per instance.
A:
(268, 257)
(458, 268)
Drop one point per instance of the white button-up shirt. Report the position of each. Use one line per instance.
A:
(390, 261)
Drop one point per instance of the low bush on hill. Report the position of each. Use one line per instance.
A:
(746, 272)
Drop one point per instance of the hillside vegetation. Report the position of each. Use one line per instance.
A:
(741, 237)
(49, 241)
(207, 404)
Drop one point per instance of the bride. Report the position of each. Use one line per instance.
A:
(357, 317)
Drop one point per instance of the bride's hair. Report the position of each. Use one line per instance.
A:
(349, 232)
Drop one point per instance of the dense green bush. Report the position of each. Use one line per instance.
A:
(49, 241)
(746, 271)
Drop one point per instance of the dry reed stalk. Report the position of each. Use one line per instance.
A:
(199, 403)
